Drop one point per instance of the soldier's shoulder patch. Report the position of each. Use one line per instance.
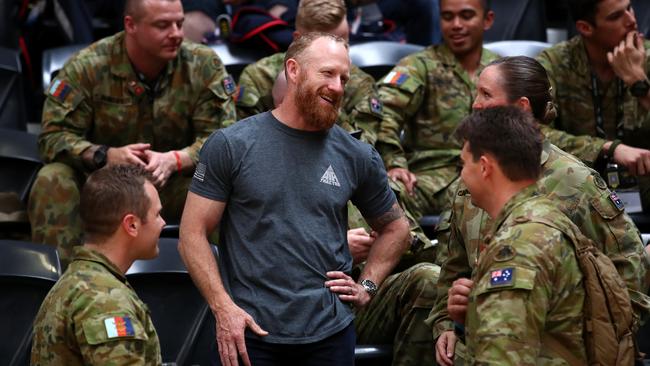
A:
(119, 326)
(376, 106)
(599, 182)
(395, 78)
(60, 90)
(617, 201)
(239, 93)
(506, 253)
(229, 85)
(502, 277)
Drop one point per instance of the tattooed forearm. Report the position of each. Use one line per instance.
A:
(391, 215)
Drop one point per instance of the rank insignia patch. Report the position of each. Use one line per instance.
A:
(502, 277)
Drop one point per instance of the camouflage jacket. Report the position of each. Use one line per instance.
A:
(97, 98)
(581, 194)
(569, 71)
(527, 285)
(92, 316)
(361, 109)
(426, 95)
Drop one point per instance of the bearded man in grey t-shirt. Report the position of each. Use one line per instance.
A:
(277, 185)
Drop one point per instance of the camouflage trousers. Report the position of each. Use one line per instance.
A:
(53, 206)
(427, 250)
(430, 196)
(396, 315)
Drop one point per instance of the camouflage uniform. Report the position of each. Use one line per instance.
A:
(97, 98)
(569, 71)
(73, 325)
(579, 193)
(527, 286)
(426, 96)
(361, 109)
(396, 314)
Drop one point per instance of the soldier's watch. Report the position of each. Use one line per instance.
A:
(369, 286)
(100, 156)
(640, 88)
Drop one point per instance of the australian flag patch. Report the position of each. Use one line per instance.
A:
(229, 85)
(617, 201)
(502, 277)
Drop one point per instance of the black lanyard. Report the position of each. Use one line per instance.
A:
(598, 108)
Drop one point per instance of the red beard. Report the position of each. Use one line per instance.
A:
(317, 115)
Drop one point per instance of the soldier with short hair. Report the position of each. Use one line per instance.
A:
(425, 97)
(578, 191)
(92, 316)
(601, 88)
(142, 97)
(527, 284)
(361, 108)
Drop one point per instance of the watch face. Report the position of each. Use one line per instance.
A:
(99, 157)
(369, 286)
(640, 88)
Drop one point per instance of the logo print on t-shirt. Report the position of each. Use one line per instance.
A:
(330, 178)
(199, 173)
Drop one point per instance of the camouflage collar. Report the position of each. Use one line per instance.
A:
(121, 65)
(546, 151)
(518, 199)
(81, 253)
(448, 59)
(579, 60)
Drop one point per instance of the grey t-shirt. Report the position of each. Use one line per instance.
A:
(285, 221)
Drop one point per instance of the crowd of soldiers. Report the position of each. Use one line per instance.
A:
(492, 145)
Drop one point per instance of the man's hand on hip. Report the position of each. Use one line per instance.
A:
(232, 322)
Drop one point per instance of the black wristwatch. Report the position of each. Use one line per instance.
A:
(370, 287)
(640, 88)
(100, 156)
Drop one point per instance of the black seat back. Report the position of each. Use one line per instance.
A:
(178, 310)
(377, 58)
(12, 103)
(236, 58)
(27, 272)
(19, 162)
(517, 19)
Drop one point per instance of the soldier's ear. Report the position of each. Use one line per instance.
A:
(130, 225)
(585, 28)
(129, 24)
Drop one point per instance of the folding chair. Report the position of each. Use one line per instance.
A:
(236, 58)
(517, 19)
(54, 59)
(517, 48)
(27, 272)
(377, 58)
(12, 103)
(178, 309)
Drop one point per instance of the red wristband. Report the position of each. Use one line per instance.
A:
(178, 162)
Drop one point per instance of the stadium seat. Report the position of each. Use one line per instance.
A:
(177, 308)
(373, 355)
(517, 48)
(27, 272)
(236, 58)
(377, 58)
(54, 59)
(19, 162)
(12, 99)
(517, 19)
(642, 12)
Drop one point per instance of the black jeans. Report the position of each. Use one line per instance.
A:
(335, 350)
